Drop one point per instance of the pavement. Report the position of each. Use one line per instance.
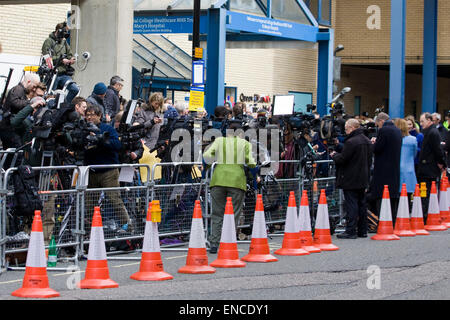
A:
(362, 269)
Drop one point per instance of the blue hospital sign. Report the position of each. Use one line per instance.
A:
(271, 27)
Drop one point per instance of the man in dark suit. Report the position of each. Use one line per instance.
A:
(353, 175)
(431, 157)
(386, 171)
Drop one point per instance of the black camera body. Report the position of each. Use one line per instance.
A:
(80, 137)
(370, 130)
(130, 138)
(63, 33)
(194, 125)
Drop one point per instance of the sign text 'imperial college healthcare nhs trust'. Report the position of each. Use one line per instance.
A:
(161, 24)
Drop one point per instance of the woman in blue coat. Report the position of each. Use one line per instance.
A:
(414, 130)
(408, 153)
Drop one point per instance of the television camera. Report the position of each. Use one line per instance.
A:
(130, 134)
(58, 130)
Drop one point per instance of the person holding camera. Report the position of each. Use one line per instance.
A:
(105, 152)
(132, 148)
(59, 50)
(80, 106)
(353, 176)
(152, 118)
(16, 100)
(22, 123)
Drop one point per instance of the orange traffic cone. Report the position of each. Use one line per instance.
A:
(228, 255)
(259, 246)
(292, 245)
(434, 216)
(445, 214)
(304, 226)
(322, 235)
(97, 273)
(151, 267)
(197, 259)
(417, 225)
(385, 230)
(402, 223)
(35, 282)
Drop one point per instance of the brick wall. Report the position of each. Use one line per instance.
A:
(373, 46)
(23, 28)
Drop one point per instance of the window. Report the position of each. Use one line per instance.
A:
(321, 9)
(247, 6)
(289, 10)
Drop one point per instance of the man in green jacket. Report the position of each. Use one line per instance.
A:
(229, 180)
(59, 50)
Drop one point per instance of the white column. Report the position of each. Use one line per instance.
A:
(106, 31)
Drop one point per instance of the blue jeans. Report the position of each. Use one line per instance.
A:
(72, 88)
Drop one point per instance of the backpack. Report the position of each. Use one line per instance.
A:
(26, 197)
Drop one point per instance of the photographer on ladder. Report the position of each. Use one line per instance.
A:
(59, 50)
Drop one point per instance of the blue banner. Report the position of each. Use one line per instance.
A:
(271, 27)
(171, 24)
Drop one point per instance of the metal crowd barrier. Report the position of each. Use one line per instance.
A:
(118, 204)
(67, 211)
(60, 214)
(275, 198)
(177, 199)
(324, 177)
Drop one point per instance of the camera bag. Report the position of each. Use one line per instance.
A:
(26, 197)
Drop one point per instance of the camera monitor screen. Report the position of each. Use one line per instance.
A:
(283, 105)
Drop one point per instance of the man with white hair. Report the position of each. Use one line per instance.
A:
(181, 108)
(18, 96)
(437, 121)
(17, 99)
(353, 176)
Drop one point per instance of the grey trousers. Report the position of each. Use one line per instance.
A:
(219, 199)
(108, 179)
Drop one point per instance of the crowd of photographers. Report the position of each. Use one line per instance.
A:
(44, 114)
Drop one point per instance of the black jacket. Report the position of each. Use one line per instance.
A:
(16, 99)
(354, 162)
(431, 154)
(442, 131)
(112, 102)
(447, 146)
(387, 153)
